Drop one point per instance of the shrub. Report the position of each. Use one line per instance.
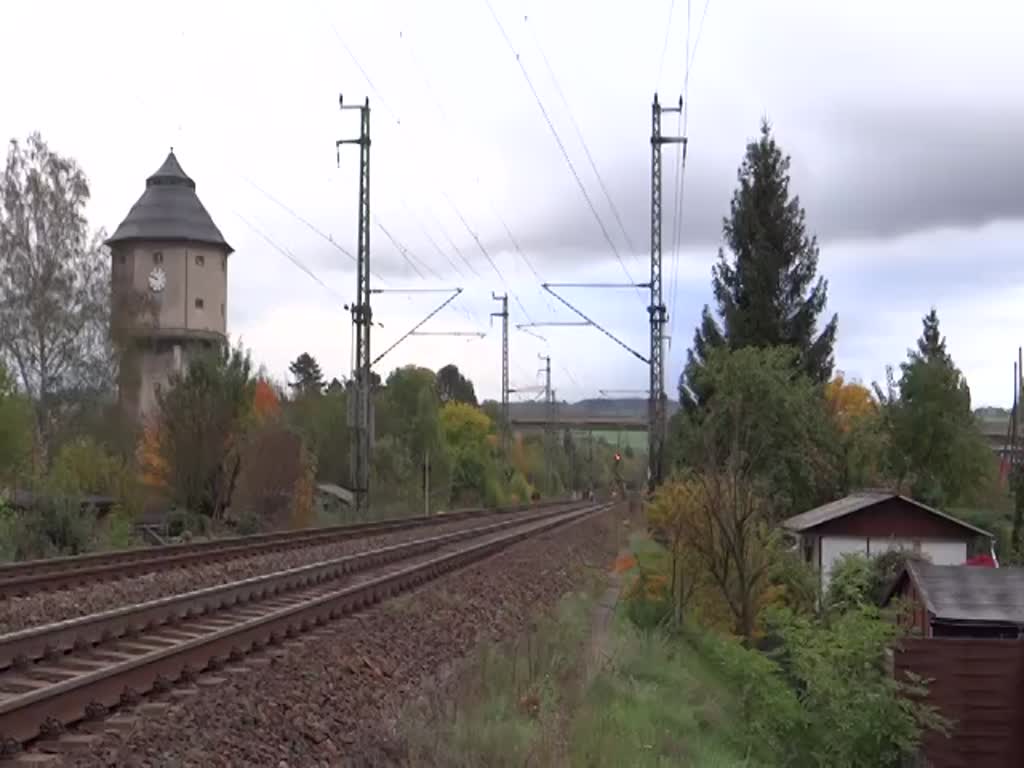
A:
(850, 584)
(824, 698)
(772, 718)
(118, 530)
(648, 601)
(55, 527)
(860, 714)
(519, 488)
(858, 580)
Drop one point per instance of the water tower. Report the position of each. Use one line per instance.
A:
(169, 286)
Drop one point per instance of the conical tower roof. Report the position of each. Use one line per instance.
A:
(169, 209)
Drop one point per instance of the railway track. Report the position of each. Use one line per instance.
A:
(60, 674)
(64, 572)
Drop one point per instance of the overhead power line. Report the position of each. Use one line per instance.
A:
(430, 238)
(450, 132)
(664, 45)
(402, 250)
(300, 218)
(561, 145)
(700, 31)
(583, 141)
(398, 122)
(291, 257)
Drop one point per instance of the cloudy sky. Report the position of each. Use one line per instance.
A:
(904, 122)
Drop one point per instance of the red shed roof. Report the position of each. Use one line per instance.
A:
(857, 502)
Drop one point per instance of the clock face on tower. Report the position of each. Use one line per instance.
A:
(157, 280)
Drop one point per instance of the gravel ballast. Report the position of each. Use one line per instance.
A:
(18, 613)
(332, 699)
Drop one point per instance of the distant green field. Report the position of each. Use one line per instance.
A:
(636, 440)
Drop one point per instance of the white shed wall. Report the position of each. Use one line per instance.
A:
(834, 547)
(946, 552)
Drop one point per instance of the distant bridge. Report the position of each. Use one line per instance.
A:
(995, 435)
(584, 423)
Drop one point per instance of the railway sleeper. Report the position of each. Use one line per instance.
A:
(147, 667)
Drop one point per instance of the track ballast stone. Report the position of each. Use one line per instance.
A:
(18, 613)
(332, 699)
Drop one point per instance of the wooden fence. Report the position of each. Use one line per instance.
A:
(979, 685)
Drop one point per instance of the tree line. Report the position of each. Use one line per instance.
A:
(767, 429)
(226, 446)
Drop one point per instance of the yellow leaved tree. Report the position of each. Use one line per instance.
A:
(849, 402)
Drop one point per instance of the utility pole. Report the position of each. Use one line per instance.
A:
(362, 319)
(505, 416)
(549, 416)
(656, 405)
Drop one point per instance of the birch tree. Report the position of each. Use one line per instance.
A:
(54, 284)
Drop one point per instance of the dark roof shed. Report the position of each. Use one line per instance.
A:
(957, 594)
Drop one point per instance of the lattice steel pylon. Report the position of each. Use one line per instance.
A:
(362, 319)
(549, 419)
(505, 415)
(657, 401)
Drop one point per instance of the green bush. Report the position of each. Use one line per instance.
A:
(858, 580)
(8, 524)
(824, 698)
(860, 714)
(648, 601)
(56, 527)
(772, 718)
(519, 488)
(851, 583)
(118, 530)
(181, 522)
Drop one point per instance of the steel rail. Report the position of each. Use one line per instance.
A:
(52, 640)
(102, 680)
(64, 572)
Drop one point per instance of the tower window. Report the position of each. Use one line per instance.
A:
(122, 258)
(199, 303)
(223, 263)
(200, 260)
(222, 310)
(158, 257)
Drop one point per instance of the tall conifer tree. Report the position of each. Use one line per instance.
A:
(767, 292)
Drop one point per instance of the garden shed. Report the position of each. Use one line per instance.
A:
(870, 522)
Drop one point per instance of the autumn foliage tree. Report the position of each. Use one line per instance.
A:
(466, 430)
(762, 450)
(275, 482)
(849, 402)
(863, 438)
(675, 515)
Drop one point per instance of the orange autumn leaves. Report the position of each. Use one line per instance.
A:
(266, 408)
(849, 402)
(266, 405)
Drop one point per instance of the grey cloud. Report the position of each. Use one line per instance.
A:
(908, 169)
(870, 173)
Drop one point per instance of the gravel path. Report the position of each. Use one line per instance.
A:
(333, 699)
(42, 608)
